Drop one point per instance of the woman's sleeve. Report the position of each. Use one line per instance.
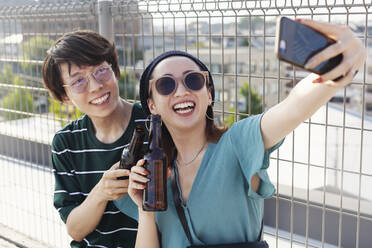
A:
(246, 140)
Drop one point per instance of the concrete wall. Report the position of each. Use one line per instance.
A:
(26, 150)
(349, 223)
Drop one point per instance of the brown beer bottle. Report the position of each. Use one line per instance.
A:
(132, 153)
(155, 194)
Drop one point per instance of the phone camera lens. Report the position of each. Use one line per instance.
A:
(282, 45)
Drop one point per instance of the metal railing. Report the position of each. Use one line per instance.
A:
(322, 172)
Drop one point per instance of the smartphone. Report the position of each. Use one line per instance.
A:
(296, 43)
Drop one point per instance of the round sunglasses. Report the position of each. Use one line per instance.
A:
(193, 80)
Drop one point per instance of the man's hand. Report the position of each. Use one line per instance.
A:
(109, 187)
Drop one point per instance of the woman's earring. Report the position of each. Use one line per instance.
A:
(148, 119)
(208, 117)
(211, 103)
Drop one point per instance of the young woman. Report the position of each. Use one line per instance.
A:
(221, 175)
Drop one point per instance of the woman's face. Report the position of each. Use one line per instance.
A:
(183, 108)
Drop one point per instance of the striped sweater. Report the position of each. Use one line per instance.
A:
(79, 161)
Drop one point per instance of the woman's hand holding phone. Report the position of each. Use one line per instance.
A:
(293, 45)
(347, 44)
(329, 50)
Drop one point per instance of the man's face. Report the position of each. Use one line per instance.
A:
(92, 89)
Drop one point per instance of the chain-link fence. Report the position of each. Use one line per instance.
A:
(323, 171)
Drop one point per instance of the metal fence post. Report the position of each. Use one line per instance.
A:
(105, 19)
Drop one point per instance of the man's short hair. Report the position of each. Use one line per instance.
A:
(82, 48)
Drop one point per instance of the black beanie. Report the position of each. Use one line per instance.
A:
(145, 77)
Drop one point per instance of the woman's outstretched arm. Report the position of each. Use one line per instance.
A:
(314, 91)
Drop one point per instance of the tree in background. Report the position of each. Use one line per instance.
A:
(64, 113)
(6, 74)
(35, 50)
(128, 85)
(19, 99)
(253, 105)
(6, 77)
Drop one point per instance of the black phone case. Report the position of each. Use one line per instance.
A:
(300, 44)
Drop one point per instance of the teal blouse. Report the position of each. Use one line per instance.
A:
(221, 207)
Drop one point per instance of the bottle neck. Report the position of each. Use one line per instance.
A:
(155, 132)
(137, 139)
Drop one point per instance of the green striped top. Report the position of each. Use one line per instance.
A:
(79, 161)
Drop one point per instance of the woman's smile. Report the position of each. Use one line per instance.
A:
(184, 108)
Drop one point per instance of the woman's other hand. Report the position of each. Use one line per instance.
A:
(137, 182)
(351, 47)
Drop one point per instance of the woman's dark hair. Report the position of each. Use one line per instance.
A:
(82, 48)
(213, 133)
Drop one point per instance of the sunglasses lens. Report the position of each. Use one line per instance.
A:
(195, 81)
(165, 85)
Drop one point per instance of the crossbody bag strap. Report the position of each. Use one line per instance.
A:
(181, 213)
(261, 231)
(177, 203)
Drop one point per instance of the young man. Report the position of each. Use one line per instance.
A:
(82, 69)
